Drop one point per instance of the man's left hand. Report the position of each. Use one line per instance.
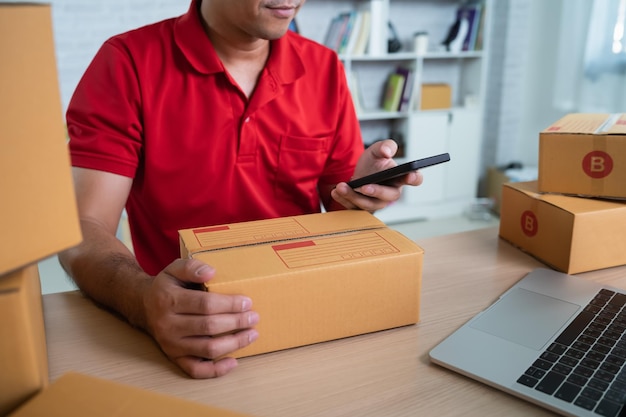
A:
(372, 197)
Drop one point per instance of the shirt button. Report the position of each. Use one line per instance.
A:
(247, 119)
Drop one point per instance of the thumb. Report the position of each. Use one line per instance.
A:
(190, 270)
(384, 149)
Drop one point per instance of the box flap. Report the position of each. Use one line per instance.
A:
(574, 205)
(590, 123)
(76, 395)
(38, 216)
(282, 229)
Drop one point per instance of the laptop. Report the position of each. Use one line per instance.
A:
(554, 339)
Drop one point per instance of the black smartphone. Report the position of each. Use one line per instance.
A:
(382, 177)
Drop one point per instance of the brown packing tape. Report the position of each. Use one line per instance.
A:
(599, 143)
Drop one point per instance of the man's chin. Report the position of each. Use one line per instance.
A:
(278, 33)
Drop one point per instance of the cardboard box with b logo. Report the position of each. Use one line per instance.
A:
(573, 217)
(584, 154)
(570, 234)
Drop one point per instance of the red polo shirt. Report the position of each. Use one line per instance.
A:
(157, 105)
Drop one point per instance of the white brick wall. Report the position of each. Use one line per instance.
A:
(81, 26)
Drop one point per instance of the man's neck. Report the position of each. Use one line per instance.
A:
(243, 57)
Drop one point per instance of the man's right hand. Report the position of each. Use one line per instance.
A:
(196, 329)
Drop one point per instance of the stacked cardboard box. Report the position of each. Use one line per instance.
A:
(38, 215)
(307, 274)
(38, 218)
(574, 216)
(584, 154)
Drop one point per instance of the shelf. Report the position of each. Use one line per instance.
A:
(398, 56)
(381, 115)
(409, 56)
(456, 55)
(447, 190)
(388, 115)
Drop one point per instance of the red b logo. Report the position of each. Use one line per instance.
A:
(597, 164)
(529, 223)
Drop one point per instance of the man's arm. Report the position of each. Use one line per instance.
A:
(102, 266)
(182, 321)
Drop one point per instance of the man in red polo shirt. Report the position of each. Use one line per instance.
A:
(217, 116)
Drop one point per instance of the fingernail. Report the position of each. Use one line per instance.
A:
(253, 318)
(246, 304)
(252, 336)
(367, 190)
(204, 269)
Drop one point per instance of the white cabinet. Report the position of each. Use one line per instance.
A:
(464, 143)
(448, 188)
(428, 135)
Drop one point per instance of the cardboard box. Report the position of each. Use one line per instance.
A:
(435, 96)
(498, 176)
(584, 154)
(23, 355)
(313, 278)
(38, 216)
(76, 395)
(570, 234)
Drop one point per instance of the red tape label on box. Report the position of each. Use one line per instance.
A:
(329, 249)
(248, 233)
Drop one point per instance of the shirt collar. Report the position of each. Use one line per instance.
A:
(285, 63)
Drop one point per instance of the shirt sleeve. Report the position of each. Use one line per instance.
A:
(104, 114)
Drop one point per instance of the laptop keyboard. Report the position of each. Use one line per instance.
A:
(585, 364)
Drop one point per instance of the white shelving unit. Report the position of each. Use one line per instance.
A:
(449, 188)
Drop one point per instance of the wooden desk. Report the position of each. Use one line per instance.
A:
(386, 373)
